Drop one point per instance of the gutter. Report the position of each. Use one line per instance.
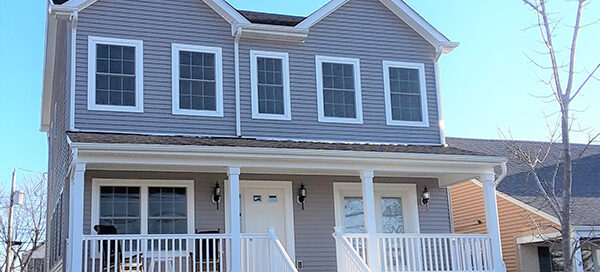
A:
(502, 174)
(236, 46)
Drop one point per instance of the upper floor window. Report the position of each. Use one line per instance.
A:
(270, 85)
(405, 94)
(338, 90)
(115, 74)
(197, 80)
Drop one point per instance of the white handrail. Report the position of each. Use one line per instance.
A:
(429, 252)
(349, 259)
(280, 260)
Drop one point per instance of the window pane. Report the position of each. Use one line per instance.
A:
(339, 90)
(167, 210)
(354, 219)
(405, 94)
(115, 71)
(120, 207)
(197, 84)
(270, 85)
(392, 219)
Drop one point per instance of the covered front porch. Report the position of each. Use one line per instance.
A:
(219, 208)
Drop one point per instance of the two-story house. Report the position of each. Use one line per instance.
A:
(186, 135)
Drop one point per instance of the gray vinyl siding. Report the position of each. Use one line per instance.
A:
(158, 24)
(59, 151)
(313, 226)
(372, 32)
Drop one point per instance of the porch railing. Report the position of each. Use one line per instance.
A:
(183, 253)
(428, 252)
(348, 257)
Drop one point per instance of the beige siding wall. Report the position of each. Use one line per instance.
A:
(313, 225)
(515, 221)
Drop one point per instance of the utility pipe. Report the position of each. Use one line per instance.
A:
(236, 46)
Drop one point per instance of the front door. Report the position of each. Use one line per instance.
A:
(266, 204)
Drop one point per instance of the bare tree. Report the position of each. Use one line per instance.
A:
(565, 84)
(29, 224)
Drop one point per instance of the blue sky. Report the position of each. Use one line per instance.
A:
(487, 83)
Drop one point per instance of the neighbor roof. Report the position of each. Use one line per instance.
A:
(520, 184)
(112, 138)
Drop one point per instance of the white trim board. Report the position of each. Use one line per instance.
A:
(289, 208)
(143, 184)
(406, 191)
(285, 71)
(420, 67)
(358, 110)
(218, 53)
(93, 41)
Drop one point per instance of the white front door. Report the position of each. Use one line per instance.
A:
(266, 204)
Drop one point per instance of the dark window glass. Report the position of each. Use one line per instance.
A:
(270, 86)
(120, 207)
(339, 94)
(405, 94)
(167, 210)
(197, 81)
(115, 75)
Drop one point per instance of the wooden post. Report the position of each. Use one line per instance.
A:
(234, 217)
(491, 220)
(370, 219)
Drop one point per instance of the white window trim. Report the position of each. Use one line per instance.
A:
(406, 191)
(357, 88)
(139, 74)
(387, 93)
(143, 184)
(287, 105)
(218, 51)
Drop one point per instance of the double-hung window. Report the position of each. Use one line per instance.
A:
(405, 94)
(115, 74)
(338, 90)
(270, 85)
(144, 207)
(197, 80)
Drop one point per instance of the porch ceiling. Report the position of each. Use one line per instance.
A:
(177, 153)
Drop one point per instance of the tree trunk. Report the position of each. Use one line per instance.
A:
(567, 243)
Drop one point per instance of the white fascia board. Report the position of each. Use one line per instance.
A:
(272, 32)
(49, 55)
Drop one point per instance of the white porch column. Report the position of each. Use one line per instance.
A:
(370, 219)
(234, 217)
(578, 261)
(491, 220)
(75, 242)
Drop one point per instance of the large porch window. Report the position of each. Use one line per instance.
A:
(143, 207)
(395, 207)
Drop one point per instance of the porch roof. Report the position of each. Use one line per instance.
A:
(113, 138)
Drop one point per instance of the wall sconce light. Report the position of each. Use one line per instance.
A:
(302, 195)
(216, 197)
(425, 197)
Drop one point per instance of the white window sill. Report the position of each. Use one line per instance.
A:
(96, 107)
(407, 123)
(267, 116)
(340, 120)
(197, 113)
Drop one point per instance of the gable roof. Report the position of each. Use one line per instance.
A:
(520, 185)
(239, 18)
(270, 18)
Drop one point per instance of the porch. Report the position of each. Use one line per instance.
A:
(261, 189)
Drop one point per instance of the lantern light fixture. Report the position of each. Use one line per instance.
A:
(302, 195)
(216, 197)
(425, 197)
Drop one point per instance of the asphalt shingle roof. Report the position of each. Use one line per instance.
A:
(521, 185)
(112, 138)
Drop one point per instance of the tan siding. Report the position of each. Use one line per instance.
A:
(515, 221)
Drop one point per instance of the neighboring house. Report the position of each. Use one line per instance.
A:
(181, 130)
(528, 225)
(37, 259)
